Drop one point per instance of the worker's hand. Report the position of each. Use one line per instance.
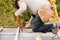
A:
(27, 24)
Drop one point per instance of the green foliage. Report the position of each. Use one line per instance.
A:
(58, 8)
(58, 5)
(7, 10)
(25, 17)
(6, 13)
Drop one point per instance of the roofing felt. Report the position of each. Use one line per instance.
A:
(27, 34)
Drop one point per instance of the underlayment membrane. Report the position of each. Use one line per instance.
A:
(12, 37)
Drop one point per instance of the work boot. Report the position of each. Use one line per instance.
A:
(55, 30)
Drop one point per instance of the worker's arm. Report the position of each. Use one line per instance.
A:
(22, 8)
(30, 21)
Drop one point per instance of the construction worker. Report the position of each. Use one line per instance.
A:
(33, 6)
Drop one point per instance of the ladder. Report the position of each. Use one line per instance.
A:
(55, 17)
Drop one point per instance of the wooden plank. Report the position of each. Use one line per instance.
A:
(5, 33)
(24, 28)
(29, 34)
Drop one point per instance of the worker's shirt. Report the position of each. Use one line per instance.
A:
(31, 5)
